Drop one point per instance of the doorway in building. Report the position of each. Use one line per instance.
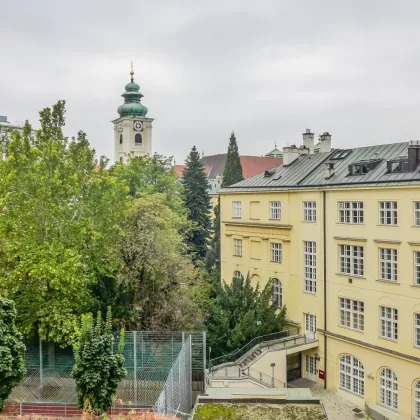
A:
(294, 370)
(310, 326)
(311, 368)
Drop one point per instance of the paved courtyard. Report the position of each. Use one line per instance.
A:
(336, 407)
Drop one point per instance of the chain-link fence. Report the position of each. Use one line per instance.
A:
(149, 359)
(176, 396)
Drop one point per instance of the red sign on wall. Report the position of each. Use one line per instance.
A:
(321, 374)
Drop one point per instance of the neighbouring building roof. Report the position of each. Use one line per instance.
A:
(275, 153)
(178, 169)
(309, 171)
(251, 165)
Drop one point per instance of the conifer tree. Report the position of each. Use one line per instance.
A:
(197, 201)
(233, 168)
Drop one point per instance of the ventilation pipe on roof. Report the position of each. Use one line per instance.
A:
(413, 155)
(290, 154)
(325, 140)
(269, 173)
(308, 140)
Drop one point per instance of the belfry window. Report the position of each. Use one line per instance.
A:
(121, 138)
(138, 139)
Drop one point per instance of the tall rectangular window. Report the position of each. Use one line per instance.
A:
(309, 211)
(276, 252)
(236, 209)
(417, 268)
(417, 213)
(351, 212)
(417, 330)
(352, 314)
(389, 322)
(309, 266)
(351, 260)
(237, 247)
(388, 264)
(388, 214)
(275, 210)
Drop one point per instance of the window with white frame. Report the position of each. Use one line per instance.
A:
(309, 266)
(417, 330)
(388, 264)
(388, 389)
(388, 213)
(237, 274)
(417, 401)
(350, 212)
(275, 210)
(352, 375)
(309, 211)
(389, 322)
(310, 325)
(352, 314)
(276, 293)
(236, 209)
(237, 247)
(351, 260)
(417, 213)
(276, 252)
(417, 268)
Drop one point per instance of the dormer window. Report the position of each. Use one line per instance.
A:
(398, 166)
(363, 167)
(341, 154)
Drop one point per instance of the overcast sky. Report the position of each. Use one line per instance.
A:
(265, 69)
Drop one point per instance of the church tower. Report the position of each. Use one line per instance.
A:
(132, 130)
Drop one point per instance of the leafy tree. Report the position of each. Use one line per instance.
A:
(197, 201)
(233, 168)
(12, 351)
(156, 266)
(59, 226)
(213, 253)
(97, 370)
(235, 312)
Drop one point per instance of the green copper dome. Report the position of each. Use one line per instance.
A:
(132, 106)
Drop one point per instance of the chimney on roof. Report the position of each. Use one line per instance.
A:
(303, 150)
(308, 140)
(325, 140)
(290, 154)
(413, 155)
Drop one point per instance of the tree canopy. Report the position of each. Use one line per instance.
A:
(60, 213)
(235, 312)
(12, 367)
(197, 202)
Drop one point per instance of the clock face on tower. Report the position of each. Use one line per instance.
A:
(120, 127)
(138, 125)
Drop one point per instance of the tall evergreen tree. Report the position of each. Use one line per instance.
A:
(231, 175)
(197, 201)
(233, 168)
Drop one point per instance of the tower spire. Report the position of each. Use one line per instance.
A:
(132, 73)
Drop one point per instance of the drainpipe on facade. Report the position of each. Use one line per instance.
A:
(324, 218)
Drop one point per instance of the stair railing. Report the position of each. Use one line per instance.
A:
(232, 357)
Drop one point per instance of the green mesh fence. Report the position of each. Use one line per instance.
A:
(149, 357)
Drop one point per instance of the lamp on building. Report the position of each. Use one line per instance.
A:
(316, 355)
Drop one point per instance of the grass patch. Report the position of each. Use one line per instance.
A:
(258, 412)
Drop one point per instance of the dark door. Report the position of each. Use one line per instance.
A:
(294, 367)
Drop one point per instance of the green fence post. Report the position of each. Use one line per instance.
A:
(135, 365)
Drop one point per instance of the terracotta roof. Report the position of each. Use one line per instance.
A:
(178, 169)
(251, 165)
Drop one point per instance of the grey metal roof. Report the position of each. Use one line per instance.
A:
(308, 171)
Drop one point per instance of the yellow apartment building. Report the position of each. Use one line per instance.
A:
(337, 234)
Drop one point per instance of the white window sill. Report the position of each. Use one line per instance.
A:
(309, 293)
(277, 262)
(388, 281)
(308, 221)
(387, 225)
(350, 276)
(351, 392)
(240, 256)
(236, 217)
(415, 285)
(392, 340)
(352, 223)
(352, 329)
(274, 220)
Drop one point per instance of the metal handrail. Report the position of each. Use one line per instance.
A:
(255, 341)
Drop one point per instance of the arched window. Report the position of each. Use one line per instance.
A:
(121, 138)
(237, 275)
(138, 139)
(276, 293)
(388, 389)
(417, 401)
(352, 375)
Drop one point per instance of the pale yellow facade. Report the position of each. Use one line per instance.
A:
(251, 231)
